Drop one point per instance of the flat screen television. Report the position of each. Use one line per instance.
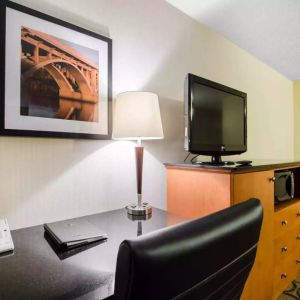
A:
(215, 119)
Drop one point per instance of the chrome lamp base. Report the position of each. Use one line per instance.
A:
(139, 210)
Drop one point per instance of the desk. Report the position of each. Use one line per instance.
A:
(35, 271)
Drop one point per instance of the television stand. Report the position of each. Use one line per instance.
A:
(216, 160)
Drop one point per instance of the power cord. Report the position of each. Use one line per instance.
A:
(193, 159)
(187, 157)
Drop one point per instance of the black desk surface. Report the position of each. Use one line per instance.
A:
(36, 270)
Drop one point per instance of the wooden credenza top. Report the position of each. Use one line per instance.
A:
(256, 166)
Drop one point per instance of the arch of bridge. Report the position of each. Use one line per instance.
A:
(60, 78)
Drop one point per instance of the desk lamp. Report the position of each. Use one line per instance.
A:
(137, 117)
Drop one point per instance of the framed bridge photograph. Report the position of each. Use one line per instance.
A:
(55, 78)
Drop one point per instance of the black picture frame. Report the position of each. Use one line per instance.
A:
(49, 133)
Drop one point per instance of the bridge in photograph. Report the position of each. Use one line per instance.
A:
(76, 76)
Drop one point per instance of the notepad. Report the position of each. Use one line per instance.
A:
(74, 232)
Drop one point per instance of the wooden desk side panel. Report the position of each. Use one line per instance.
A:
(259, 285)
(194, 194)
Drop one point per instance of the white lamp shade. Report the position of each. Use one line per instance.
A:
(137, 116)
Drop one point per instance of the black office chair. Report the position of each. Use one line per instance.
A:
(206, 259)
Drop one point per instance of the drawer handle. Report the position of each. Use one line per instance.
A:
(272, 179)
(298, 214)
(284, 249)
(283, 275)
(298, 238)
(284, 222)
(297, 261)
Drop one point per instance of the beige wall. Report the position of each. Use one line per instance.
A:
(154, 47)
(297, 119)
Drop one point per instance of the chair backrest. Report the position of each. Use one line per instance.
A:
(205, 259)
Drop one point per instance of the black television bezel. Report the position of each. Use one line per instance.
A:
(204, 149)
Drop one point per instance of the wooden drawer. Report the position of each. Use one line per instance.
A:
(286, 271)
(286, 218)
(284, 245)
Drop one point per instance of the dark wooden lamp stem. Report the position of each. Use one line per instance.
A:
(141, 209)
(139, 154)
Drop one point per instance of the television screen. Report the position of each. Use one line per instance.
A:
(216, 120)
(217, 117)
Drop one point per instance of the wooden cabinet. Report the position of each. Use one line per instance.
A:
(258, 185)
(286, 244)
(191, 192)
(194, 191)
